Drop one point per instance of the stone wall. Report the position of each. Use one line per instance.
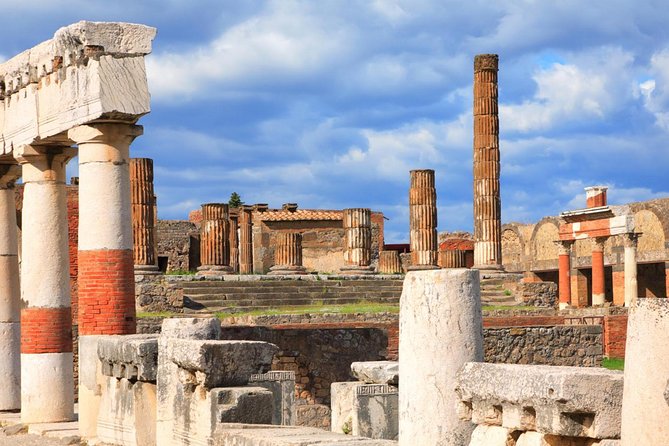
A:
(178, 245)
(154, 293)
(538, 294)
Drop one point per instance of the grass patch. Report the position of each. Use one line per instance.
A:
(507, 307)
(180, 272)
(361, 307)
(613, 363)
(147, 314)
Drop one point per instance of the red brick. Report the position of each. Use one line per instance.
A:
(46, 330)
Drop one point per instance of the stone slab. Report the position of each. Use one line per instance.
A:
(239, 435)
(191, 328)
(376, 372)
(493, 436)
(55, 430)
(133, 357)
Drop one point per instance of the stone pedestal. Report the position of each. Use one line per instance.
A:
(390, 262)
(631, 285)
(47, 380)
(441, 329)
(487, 203)
(143, 215)
(288, 254)
(564, 265)
(215, 239)
(234, 239)
(246, 240)
(598, 287)
(358, 241)
(423, 220)
(10, 294)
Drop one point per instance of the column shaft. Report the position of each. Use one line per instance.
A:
(246, 240)
(564, 274)
(357, 224)
(452, 258)
(143, 214)
(423, 220)
(234, 241)
(288, 254)
(390, 262)
(215, 239)
(631, 285)
(598, 287)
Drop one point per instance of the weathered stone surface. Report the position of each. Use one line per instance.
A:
(239, 435)
(282, 386)
(191, 328)
(134, 357)
(251, 405)
(567, 401)
(539, 439)
(366, 410)
(376, 372)
(221, 363)
(493, 436)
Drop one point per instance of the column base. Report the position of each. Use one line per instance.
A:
(214, 270)
(598, 299)
(285, 270)
(563, 305)
(422, 267)
(147, 270)
(489, 268)
(355, 270)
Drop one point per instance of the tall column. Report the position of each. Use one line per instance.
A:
(288, 254)
(215, 239)
(246, 240)
(10, 293)
(234, 239)
(598, 287)
(47, 380)
(487, 203)
(390, 262)
(357, 241)
(564, 273)
(423, 220)
(631, 285)
(106, 261)
(143, 214)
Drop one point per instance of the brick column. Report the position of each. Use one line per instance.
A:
(215, 239)
(631, 285)
(234, 239)
(357, 241)
(106, 260)
(598, 288)
(564, 273)
(390, 262)
(10, 294)
(288, 254)
(143, 215)
(246, 240)
(423, 220)
(487, 203)
(47, 381)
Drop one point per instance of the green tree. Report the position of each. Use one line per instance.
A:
(235, 200)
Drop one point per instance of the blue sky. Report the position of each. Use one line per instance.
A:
(330, 103)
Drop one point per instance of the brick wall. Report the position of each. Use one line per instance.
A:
(178, 242)
(615, 335)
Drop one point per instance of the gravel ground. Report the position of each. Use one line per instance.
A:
(34, 440)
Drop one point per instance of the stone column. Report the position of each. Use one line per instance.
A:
(631, 285)
(10, 293)
(487, 203)
(452, 258)
(215, 239)
(358, 241)
(390, 262)
(143, 215)
(564, 265)
(234, 240)
(288, 254)
(598, 287)
(441, 328)
(246, 240)
(47, 380)
(423, 220)
(106, 261)
(645, 408)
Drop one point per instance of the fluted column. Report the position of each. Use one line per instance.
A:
(10, 293)
(390, 262)
(598, 287)
(564, 273)
(423, 220)
(215, 239)
(288, 254)
(246, 240)
(47, 381)
(631, 285)
(234, 240)
(357, 241)
(143, 215)
(452, 258)
(487, 203)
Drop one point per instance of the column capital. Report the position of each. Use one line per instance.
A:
(564, 246)
(105, 132)
(598, 243)
(44, 163)
(9, 173)
(630, 239)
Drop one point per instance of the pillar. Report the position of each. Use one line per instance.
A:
(47, 380)
(487, 203)
(441, 329)
(595, 196)
(564, 273)
(423, 220)
(234, 239)
(357, 241)
(645, 408)
(288, 254)
(631, 286)
(143, 215)
(10, 293)
(390, 262)
(106, 259)
(246, 240)
(453, 258)
(215, 239)
(598, 288)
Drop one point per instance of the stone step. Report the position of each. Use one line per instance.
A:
(296, 290)
(224, 305)
(292, 300)
(306, 295)
(289, 283)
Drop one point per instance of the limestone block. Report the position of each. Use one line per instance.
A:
(441, 329)
(493, 436)
(250, 405)
(134, 357)
(566, 401)
(191, 328)
(376, 372)
(342, 398)
(539, 439)
(365, 410)
(240, 435)
(282, 386)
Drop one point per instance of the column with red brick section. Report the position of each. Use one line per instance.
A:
(10, 294)
(215, 239)
(631, 285)
(357, 241)
(423, 220)
(598, 288)
(234, 239)
(106, 261)
(143, 213)
(246, 240)
(47, 381)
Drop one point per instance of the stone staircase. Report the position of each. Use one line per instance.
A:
(498, 289)
(209, 296)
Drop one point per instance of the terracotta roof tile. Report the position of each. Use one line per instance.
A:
(456, 244)
(301, 215)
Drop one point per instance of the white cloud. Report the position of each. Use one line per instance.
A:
(656, 91)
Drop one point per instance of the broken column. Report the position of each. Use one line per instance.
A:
(564, 273)
(234, 239)
(358, 241)
(423, 220)
(390, 262)
(143, 214)
(288, 254)
(441, 329)
(487, 203)
(645, 404)
(10, 293)
(246, 240)
(453, 258)
(595, 196)
(598, 287)
(631, 285)
(215, 239)
(47, 380)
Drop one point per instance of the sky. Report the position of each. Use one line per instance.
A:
(331, 103)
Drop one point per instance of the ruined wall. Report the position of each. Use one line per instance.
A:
(512, 249)
(178, 245)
